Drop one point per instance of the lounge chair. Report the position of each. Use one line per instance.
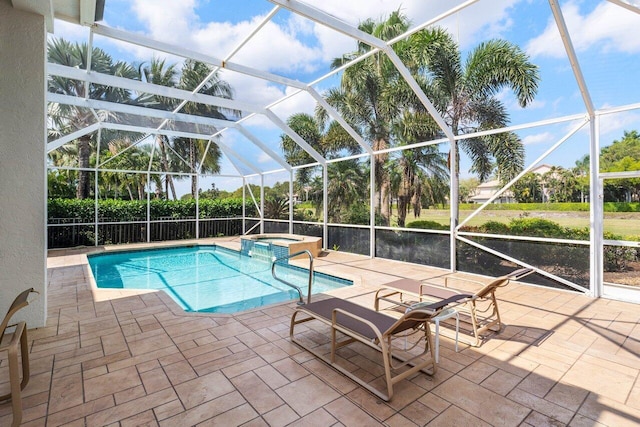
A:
(375, 330)
(481, 306)
(18, 342)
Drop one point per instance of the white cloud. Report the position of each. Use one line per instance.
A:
(612, 126)
(264, 158)
(293, 45)
(70, 32)
(539, 138)
(608, 27)
(299, 103)
(167, 18)
(492, 18)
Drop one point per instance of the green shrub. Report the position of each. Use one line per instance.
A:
(427, 225)
(65, 210)
(494, 227)
(358, 213)
(535, 227)
(621, 207)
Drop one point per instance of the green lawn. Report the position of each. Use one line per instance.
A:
(621, 223)
(618, 223)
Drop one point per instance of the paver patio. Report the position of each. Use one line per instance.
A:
(109, 357)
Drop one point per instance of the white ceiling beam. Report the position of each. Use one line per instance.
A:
(153, 131)
(573, 58)
(323, 18)
(293, 135)
(186, 53)
(138, 111)
(150, 88)
(54, 145)
(251, 137)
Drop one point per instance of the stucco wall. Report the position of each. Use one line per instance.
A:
(22, 179)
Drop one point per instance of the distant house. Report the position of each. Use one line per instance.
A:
(488, 189)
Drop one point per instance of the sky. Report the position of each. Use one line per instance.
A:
(603, 34)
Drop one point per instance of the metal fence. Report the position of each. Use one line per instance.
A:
(565, 264)
(66, 233)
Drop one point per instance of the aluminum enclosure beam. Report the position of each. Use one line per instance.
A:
(150, 88)
(135, 110)
(186, 53)
(251, 137)
(301, 142)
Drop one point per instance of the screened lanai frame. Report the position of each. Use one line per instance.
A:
(455, 235)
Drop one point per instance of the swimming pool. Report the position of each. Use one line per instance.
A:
(206, 278)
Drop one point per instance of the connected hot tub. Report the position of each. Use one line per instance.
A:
(281, 244)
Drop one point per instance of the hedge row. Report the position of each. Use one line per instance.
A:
(564, 207)
(531, 227)
(63, 210)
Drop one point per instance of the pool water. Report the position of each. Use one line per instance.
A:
(206, 278)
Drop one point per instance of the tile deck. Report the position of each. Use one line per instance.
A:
(109, 357)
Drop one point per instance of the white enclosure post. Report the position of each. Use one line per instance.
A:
(372, 207)
(596, 210)
(291, 202)
(261, 204)
(325, 207)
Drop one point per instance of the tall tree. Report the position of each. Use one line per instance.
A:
(194, 75)
(373, 96)
(68, 118)
(362, 98)
(327, 137)
(465, 94)
(346, 180)
(418, 172)
(157, 71)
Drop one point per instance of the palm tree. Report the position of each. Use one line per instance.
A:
(346, 179)
(465, 94)
(160, 73)
(69, 118)
(328, 139)
(194, 73)
(135, 159)
(418, 173)
(374, 98)
(362, 98)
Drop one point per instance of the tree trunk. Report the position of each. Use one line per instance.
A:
(385, 205)
(192, 162)
(165, 168)
(84, 154)
(382, 180)
(403, 206)
(129, 191)
(416, 201)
